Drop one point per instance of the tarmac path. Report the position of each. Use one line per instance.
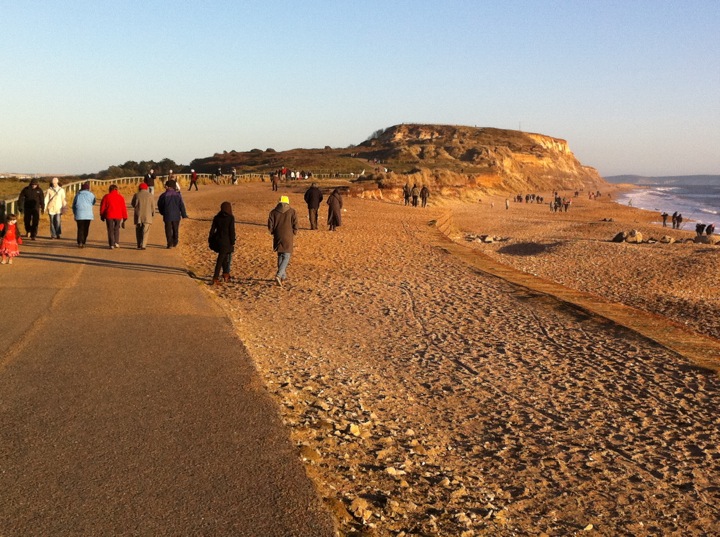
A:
(129, 407)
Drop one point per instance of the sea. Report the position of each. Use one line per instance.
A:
(700, 203)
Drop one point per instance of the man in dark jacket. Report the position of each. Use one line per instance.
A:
(31, 202)
(282, 224)
(313, 197)
(172, 208)
(149, 180)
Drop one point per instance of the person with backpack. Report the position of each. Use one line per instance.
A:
(221, 239)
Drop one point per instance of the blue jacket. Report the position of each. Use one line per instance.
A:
(83, 205)
(171, 206)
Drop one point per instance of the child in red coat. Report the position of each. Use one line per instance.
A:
(10, 240)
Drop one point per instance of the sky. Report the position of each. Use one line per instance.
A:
(632, 85)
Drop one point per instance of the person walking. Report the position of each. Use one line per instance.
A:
(664, 217)
(407, 190)
(9, 239)
(193, 180)
(143, 204)
(415, 193)
(313, 197)
(31, 203)
(82, 208)
(335, 204)
(282, 225)
(274, 181)
(233, 174)
(55, 205)
(172, 208)
(114, 212)
(149, 180)
(221, 239)
(424, 195)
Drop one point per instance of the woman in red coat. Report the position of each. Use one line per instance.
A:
(113, 211)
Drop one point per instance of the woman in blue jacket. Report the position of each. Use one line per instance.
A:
(83, 212)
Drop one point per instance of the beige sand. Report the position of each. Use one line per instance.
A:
(429, 398)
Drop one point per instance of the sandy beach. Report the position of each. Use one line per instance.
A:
(430, 398)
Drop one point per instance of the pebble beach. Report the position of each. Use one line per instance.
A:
(430, 398)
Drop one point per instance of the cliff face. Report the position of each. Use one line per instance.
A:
(493, 159)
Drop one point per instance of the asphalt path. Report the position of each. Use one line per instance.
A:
(128, 406)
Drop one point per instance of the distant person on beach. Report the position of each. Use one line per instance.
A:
(274, 181)
(415, 192)
(335, 205)
(31, 203)
(407, 192)
(221, 239)
(193, 180)
(234, 176)
(9, 239)
(664, 216)
(82, 208)
(679, 220)
(172, 208)
(55, 206)
(150, 181)
(143, 204)
(674, 220)
(424, 195)
(218, 175)
(282, 225)
(313, 197)
(114, 212)
(507, 204)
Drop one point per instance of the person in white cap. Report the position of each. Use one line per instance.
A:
(282, 225)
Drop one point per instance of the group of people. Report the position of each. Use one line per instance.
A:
(113, 211)
(282, 220)
(411, 195)
(282, 224)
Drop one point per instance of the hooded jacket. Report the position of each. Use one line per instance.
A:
(222, 232)
(282, 223)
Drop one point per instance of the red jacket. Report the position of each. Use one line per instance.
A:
(112, 206)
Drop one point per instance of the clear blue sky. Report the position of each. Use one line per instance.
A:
(632, 85)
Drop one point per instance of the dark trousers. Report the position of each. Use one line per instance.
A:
(223, 262)
(31, 219)
(113, 230)
(172, 233)
(313, 218)
(193, 184)
(424, 202)
(83, 228)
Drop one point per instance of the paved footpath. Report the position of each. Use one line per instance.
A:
(129, 407)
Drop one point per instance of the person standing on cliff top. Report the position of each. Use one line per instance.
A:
(664, 216)
(282, 225)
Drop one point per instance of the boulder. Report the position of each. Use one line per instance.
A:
(707, 239)
(634, 237)
(620, 237)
